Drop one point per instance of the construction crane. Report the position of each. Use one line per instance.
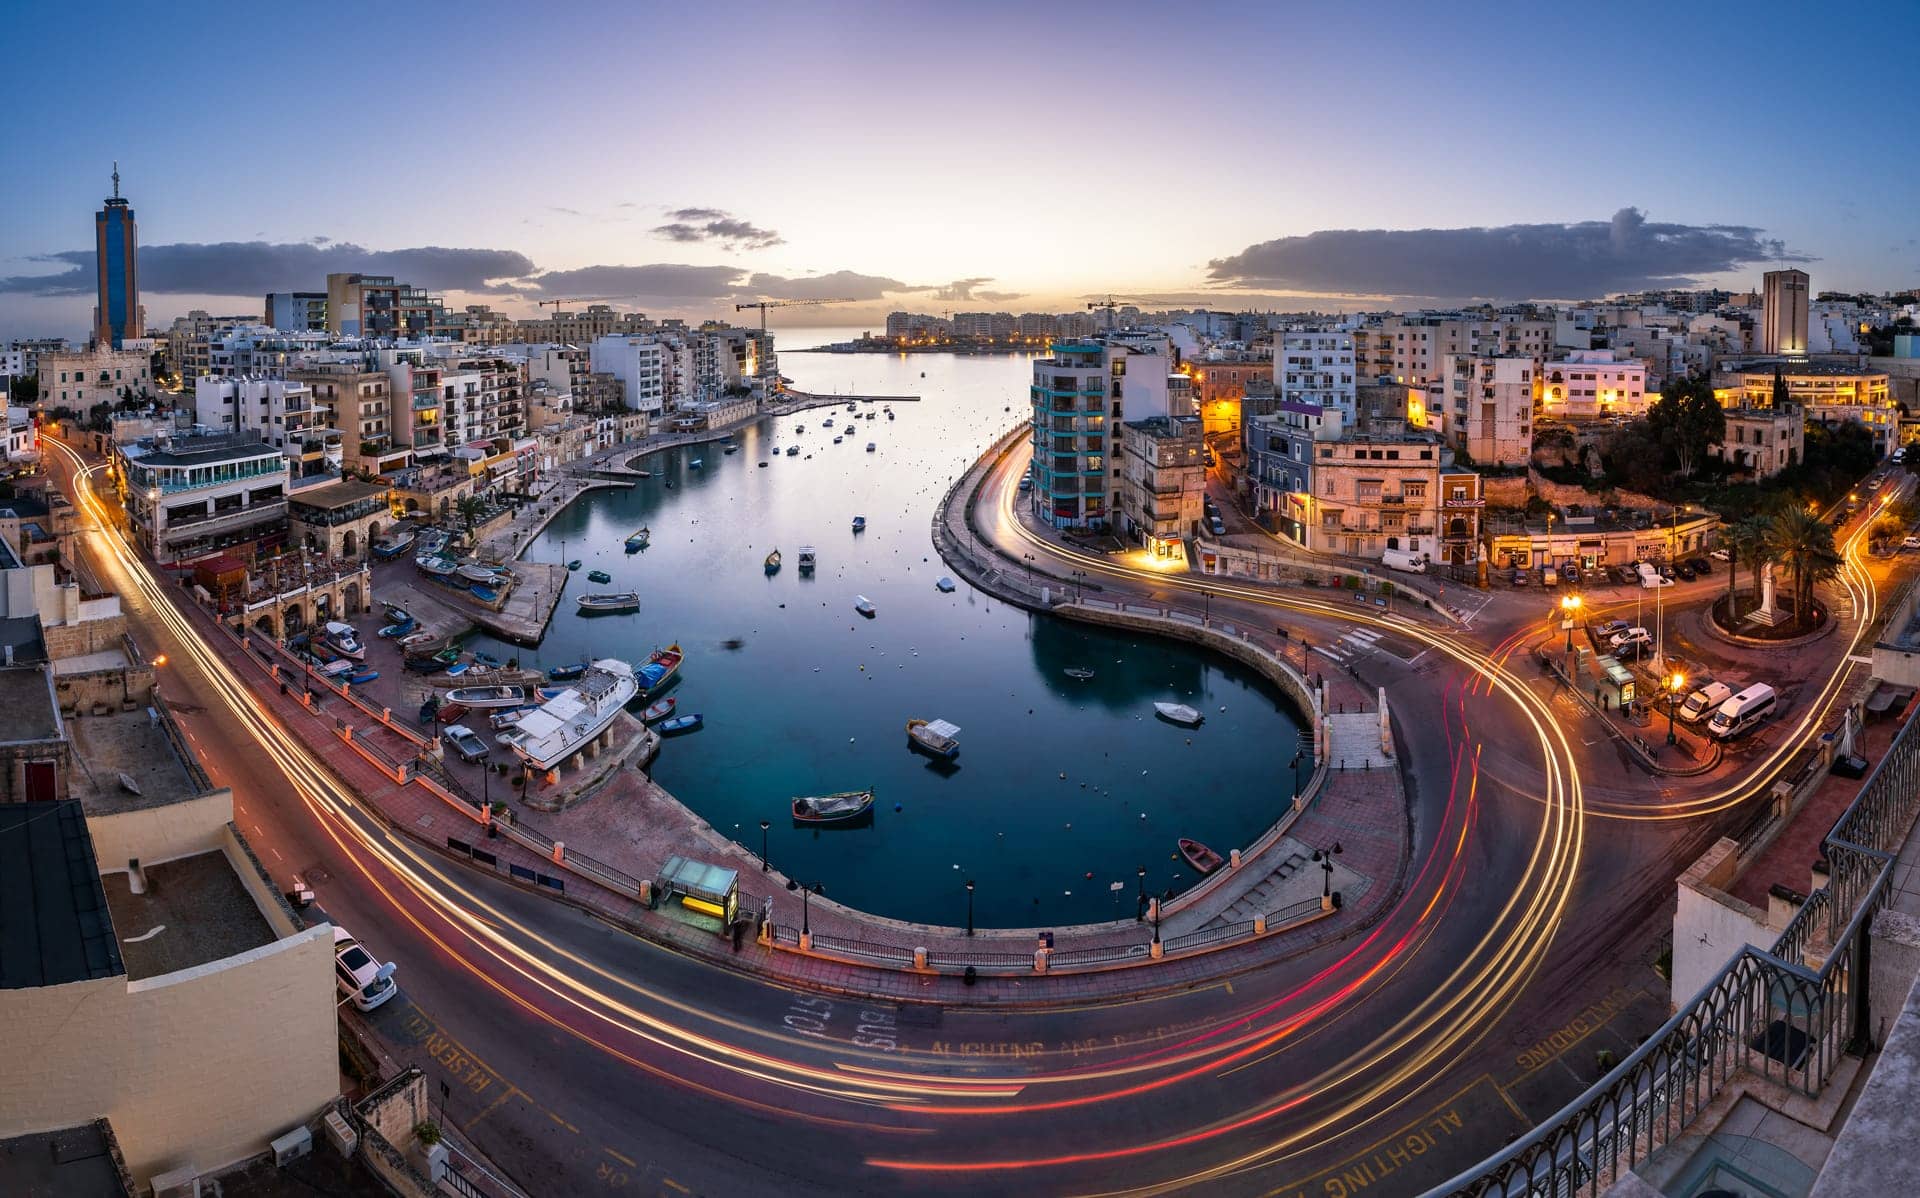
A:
(580, 299)
(763, 305)
(1116, 301)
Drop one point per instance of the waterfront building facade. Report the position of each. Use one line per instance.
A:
(1380, 490)
(1079, 393)
(1163, 480)
(190, 496)
(356, 400)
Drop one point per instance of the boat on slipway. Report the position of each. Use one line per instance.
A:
(477, 572)
(393, 545)
(558, 728)
(488, 696)
(436, 565)
(342, 639)
(842, 808)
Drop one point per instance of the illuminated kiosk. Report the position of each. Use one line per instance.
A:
(711, 892)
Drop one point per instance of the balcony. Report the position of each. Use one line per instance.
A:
(213, 522)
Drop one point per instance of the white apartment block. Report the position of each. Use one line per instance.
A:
(81, 379)
(641, 365)
(1316, 368)
(1593, 383)
(1489, 405)
(1415, 350)
(281, 411)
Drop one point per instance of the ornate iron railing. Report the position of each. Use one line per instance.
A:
(1788, 1014)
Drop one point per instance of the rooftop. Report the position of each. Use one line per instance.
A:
(340, 493)
(1803, 367)
(22, 635)
(73, 1162)
(26, 696)
(195, 910)
(54, 926)
(202, 449)
(130, 745)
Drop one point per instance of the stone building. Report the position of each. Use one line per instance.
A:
(1163, 478)
(338, 519)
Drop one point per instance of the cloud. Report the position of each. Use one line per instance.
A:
(968, 290)
(253, 268)
(711, 224)
(841, 284)
(661, 280)
(1548, 261)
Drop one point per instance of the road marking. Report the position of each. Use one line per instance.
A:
(624, 1159)
(276, 853)
(1383, 1158)
(562, 1122)
(676, 1185)
(1508, 1099)
(499, 1101)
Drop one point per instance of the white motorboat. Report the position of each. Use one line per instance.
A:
(477, 571)
(864, 606)
(808, 559)
(561, 726)
(342, 639)
(393, 544)
(871, 447)
(1178, 713)
(488, 696)
(944, 585)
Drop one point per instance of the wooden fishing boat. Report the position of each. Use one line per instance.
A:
(681, 723)
(364, 676)
(488, 696)
(659, 711)
(599, 576)
(637, 539)
(1199, 856)
(574, 564)
(567, 672)
(842, 808)
(660, 669)
(1178, 713)
(935, 738)
(1080, 672)
(609, 604)
(772, 562)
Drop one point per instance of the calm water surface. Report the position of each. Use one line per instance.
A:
(1063, 787)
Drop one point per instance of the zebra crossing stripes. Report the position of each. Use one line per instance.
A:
(1356, 643)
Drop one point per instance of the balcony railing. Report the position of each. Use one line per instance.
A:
(230, 518)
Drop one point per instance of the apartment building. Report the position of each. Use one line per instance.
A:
(583, 327)
(1316, 368)
(193, 495)
(280, 411)
(1415, 349)
(1279, 454)
(248, 349)
(297, 311)
(1163, 480)
(1384, 489)
(1220, 384)
(81, 379)
(356, 399)
(1593, 383)
(187, 339)
(1079, 393)
(1488, 406)
(362, 305)
(640, 364)
(1826, 392)
(417, 386)
(984, 324)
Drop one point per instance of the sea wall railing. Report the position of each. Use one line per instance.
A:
(1788, 1014)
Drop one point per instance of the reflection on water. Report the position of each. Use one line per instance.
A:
(1063, 786)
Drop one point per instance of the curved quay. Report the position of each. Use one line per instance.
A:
(1249, 1076)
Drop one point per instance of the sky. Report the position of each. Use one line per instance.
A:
(951, 157)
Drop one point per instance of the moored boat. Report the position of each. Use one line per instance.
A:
(859, 524)
(507, 719)
(364, 676)
(1200, 856)
(477, 571)
(488, 696)
(864, 606)
(610, 603)
(637, 539)
(438, 565)
(870, 447)
(484, 594)
(935, 738)
(1178, 713)
(842, 808)
(660, 669)
(342, 639)
(567, 673)
(793, 451)
(807, 559)
(574, 564)
(944, 585)
(393, 545)
(599, 576)
(573, 718)
(660, 710)
(1080, 672)
(696, 463)
(395, 631)
(772, 562)
(418, 640)
(681, 723)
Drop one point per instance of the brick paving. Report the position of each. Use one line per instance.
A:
(1788, 859)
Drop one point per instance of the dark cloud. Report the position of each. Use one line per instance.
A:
(1552, 261)
(711, 224)
(968, 290)
(841, 284)
(253, 268)
(662, 280)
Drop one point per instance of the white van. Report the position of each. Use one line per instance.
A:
(1742, 712)
(1401, 559)
(1704, 700)
(1650, 576)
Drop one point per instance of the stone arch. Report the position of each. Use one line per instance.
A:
(373, 532)
(1457, 527)
(350, 597)
(265, 623)
(322, 607)
(349, 544)
(413, 505)
(295, 618)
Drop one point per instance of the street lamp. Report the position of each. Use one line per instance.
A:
(1325, 858)
(969, 906)
(1140, 909)
(1206, 605)
(1029, 561)
(764, 825)
(1570, 609)
(1673, 696)
(806, 927)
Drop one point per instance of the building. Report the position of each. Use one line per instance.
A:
(1080, 391)
(116, 243)
(302, 311)
(1163, 479)
(1220, 383)
(190, 496)
(640, 363)
(1593, 383)
(1783, 320)
(356, 400)
(188, 338)
(23, 441)
(1382, 489)
(79, 380)
(1762, 441)
(29, 349)
(583, 327)
(378, 306)
(1488, 405)
(250, 348)
(338, 519)
(1826, 392)
(1414, 349)
(281, 412)
(1316, 368)
(1279, 447)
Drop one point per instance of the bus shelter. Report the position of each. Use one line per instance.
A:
(702, 888)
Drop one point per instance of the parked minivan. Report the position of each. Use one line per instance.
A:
(1701, 703)
(1742, 712)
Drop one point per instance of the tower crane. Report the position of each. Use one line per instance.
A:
(579, 299)
(763, 305)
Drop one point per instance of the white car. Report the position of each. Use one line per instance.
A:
(361, 978)
(1910, 543)
(1632, 636)
(1721, 555)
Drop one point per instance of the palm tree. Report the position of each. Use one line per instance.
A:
(1747, 543)
(1803, 542)
(469, 506)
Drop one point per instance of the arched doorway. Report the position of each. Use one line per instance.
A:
(322, 608)
(351, 594)
(296, 619)
(1457, 527)
(265, 623)
(413, 506)
(349, 546)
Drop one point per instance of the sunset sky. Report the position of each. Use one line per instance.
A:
(954, 156)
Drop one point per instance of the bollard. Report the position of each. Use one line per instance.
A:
(1326, 902)
(806, 942)
(920, 958)
(559, 852)
(1259, 925)
(1156, 950)
(1233, 857)
(1040, 959)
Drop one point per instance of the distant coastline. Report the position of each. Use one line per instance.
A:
(887, 347)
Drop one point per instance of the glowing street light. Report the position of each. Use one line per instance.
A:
(1674, 685)
(1570, 606)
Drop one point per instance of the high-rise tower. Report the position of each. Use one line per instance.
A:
(117, 315)
(1783, 318)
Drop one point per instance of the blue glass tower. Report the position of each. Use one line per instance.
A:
(116, 243)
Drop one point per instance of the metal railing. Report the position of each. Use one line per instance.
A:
(864, 948)
(1205, 936)
(1767, 1011)
(981, 960)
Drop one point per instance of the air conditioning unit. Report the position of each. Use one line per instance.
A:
(292, 1146)
(183, 1182)
(340, 1134)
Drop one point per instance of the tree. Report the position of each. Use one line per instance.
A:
(469, 506)
(1688, 420)
(1803, 542)
(1746, 544)
(26, 390)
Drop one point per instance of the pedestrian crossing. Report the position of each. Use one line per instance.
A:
(1357, 643)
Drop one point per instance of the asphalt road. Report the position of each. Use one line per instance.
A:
(583, 1060)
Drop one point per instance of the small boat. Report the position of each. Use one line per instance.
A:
(656, 712)
(398, 615)
(485, 659)
(392, 631)
(660, 669)
(484, 594)
(945, 585)
(637, 540)
(574, 564)
(763, 464)
(842, 808)
(608, 604)
(859, 524)
(437, 565)
(793, 450)
(807, 559)
(547, 693)
(342, 639)
(394, 545)
(870, 447)
(364, 676)
(336, 668)
(836, 440)
(1080, 672)
(458, 668)
(696, 463)
(799, 428)
(447, 656)
(507, 719)
(477, 572)
(417, 640)
(599, 576)
(680, 723)
(889, 413)
(1200, 856)
(872, 415)
(488, 696)
(864, 606)
(1178, 713)
(729, 447)
(935, 738)
(567, 672)
(772, 562)
(827, 423)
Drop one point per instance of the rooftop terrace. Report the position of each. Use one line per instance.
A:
(195, 910)
(133, 745)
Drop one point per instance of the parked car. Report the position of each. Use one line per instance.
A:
(1519, 578)
(1217, 526)
(1626, 576)
(1701, 566)
(1632, 636)
(1910, 543)
(361, 978)
(1666, 571)
(1686, 572)
(1721, 555)
(1611, 629)
(461, 740)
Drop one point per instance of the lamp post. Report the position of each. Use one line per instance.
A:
(1028, 557)
(764, 825)
(969, 906)
(1569, 609)
(1673, 696)
(1206, 606)
(1157, 903)
(1140, 909)
(1325, 858)
(806, 926)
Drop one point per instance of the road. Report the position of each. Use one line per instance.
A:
(582, 1059)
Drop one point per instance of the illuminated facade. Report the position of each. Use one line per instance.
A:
(1783, 320)
(1593, 383)
(1827, 392)
(1163, 477)
(1079, 393)
(116, 242)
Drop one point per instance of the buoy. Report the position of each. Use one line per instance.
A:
(896, 806)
